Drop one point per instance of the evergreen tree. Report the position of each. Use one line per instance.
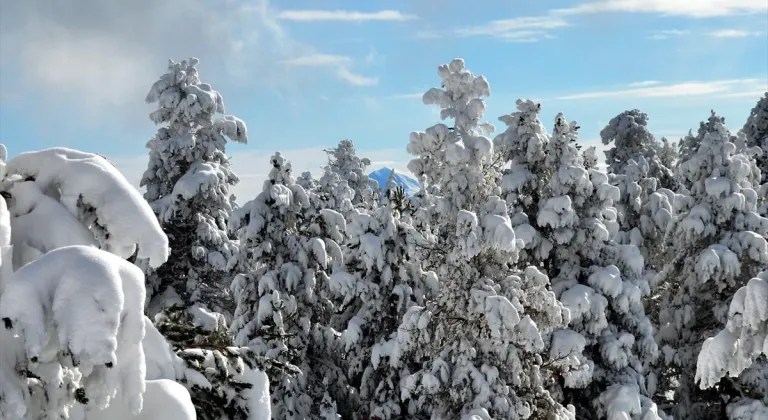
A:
(564, 215)
(668, 153)
(719, 242)
(280, 314)
(381, 279)
(756, 131)
(344, 161)
(187, 182)
(219, 376)
(632, 140)
(688, 145)
(476, 349)
(72, 313)
(345, 184)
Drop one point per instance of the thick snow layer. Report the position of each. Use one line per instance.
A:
(163, 400)
(97, 302)
(206, 319)
(32, 216)
(620, 402)
(86, 179)
(159, 358)
(747, 409)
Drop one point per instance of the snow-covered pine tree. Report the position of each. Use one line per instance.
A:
(279, 313)
(345, 184)
(476, 348)
(719, 243)
(756, 131)
(187, 184)
(689, 144)
(643, 212)
(224, 381)
(58, 207)
(564, 215)
(741, 343)
(379, 281)
(632, 140)
(668, 153)
(589, 155)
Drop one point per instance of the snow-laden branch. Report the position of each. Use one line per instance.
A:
(91, 187)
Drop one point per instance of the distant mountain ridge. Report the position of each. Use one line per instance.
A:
(381, 176)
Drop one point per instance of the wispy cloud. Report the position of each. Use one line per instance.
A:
(667, 33)
(406, 96)
(686, 8)
(340, 63)
(317, 60)
(757, 94)
(355, 79)
(673, 90)
(520, 29)
(733, 33)
(343, 15)
(644, 83)
(516, 29)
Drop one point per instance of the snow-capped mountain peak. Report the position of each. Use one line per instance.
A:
(381, 176)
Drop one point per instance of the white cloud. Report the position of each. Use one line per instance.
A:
(252, 166)
(520, 29)
(355, 79)
(757, 94)
(686, 8)
(98, 55)
(667, 33)
(316, 60)
(343, 15)
(672, 90)
(733, 33)
(406, 96)
(339, 62)
(644, 83)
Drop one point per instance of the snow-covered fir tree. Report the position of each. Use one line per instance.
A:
(756, 132)
(631, 139)
(742, 342)
(280, 314)
(224, 381)
(477, 348)
(343, 160)
(378, 282)
(344, 184)
(689, 144)
(564, 215)
(719, 243)
(668, 153)
(71, 305)
(187, 184)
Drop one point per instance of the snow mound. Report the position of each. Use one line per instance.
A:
(163, 399)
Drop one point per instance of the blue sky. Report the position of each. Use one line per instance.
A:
(306, 74)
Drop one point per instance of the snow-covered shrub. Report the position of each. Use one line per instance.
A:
(187, 184)
(719, 241)
(477, 348)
